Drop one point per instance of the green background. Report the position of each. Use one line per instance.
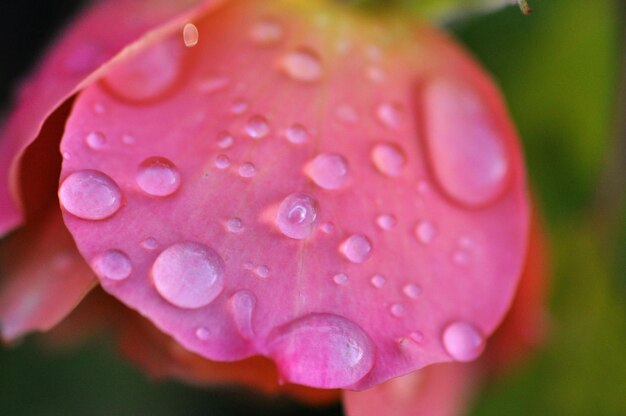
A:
(562, 72)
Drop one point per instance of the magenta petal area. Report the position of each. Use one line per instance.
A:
(320, 199)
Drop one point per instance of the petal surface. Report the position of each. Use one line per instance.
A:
(293, 186)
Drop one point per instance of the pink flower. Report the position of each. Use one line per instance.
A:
(338, 194)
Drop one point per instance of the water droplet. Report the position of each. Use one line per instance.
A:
(386, 221)
(463, 341)
(239, 106)
(90, 195)
(67, 155)
(465, 143)
(266, 32)
(242, 306)
(460, 257)
(188, 275)
(224, 140)
(202, 334)
(247, 170)
(248, 265)
(190, 35)
(96, 140)
(296, 216)
(128, 139)
(148, 74)
(150, 244)
(426, 232)
(388, 158)
(398, 310)
(357, 248)
(412, 290)
(322, 350)
(262, 271)
(302, 65)
(417, 337)
(222, 161)
(234, 225)
(113, 265)
(257, 127)
(213, 83)
(341, 278)
(378, 281)
(327, 227)
(158, 176)
(347, 114)
(99, 108)
(297, 134)
(390, 114)
(328, 170)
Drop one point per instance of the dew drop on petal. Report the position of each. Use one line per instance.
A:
(390, 114)
(466, 147)
(327, 227)
(302, 65)
(188, 275)
(378, 281)
(297, 134)
(266, 32)
(463, 341)
(328, 170)
(90, 195)
(347, 114)
(262, 271)
(224, 140)
(340, 278)
(388, 158)
(398, 310)
(202, 333)
(322, 350)
(190, 35)
(113, 265)
(357, 248)
(426, 232)
(158, 176)
(96, 140)
(222, 161)
(242, 305)
(247, 170)
(234, 225)
(386, 221)
(239, 106)
(257, 127)
(296, 215)
(411, 290)
(150, 243)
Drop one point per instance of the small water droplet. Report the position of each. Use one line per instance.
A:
(412, 290)
(327, 227)
(417, 337)
(375, 74)
(150, 244)
(302, 65)
(239, 106)
(113, 265)
(390, 114)
(242, 306)
(96, 140)
(213, 83)
(297, 134)
(357, 248)
(347, 114)
(222, 161)
(386, 221)
(128, 139)
(322, 350)
(426, 232)
(460, 257)
(99, 108)
(266, 32)
(398, 310)
(247, 170)
(257, 127)
(234, 225)
(329, 171)
(248, 265)
(67, 155)
(224, 140)
(158, 176)
(340, 279)
(388, 158)
(90, 195)
(190, 35)
(188, 275)
(463, 341)
(262, 271)
(378, 281)
(296, 215)
(202, 334)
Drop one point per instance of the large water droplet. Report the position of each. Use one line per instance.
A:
(96, 140)
(190, 35)
(148, 74)
(188, 274)
(302, 65)
(329, 170)
(426, 232)
(158, 176)
(465, 143)
(242, 306)
(357, 248)
(322, 350)
(388, 158)
(463, 341)
(296, 215)
(90, 195)
(266, 32)
(113, 265)
(257, 127)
